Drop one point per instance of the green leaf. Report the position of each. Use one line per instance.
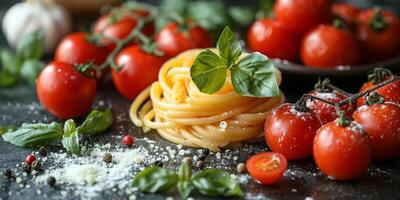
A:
(34, 135)
(70, 139)
(30, 70)
(267, 7)
(241, 15)
(155, 179)
(10, 62)
(96, 122)
(184, 184)
(255, 76)
(208, 72)
(4, 130)
(216, 182)
(7, 79)
(229, 46)
(31, 46)
(211, 15)
(174, 6)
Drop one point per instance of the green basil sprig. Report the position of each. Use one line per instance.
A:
(97, 122)
(70, 139)
(252, 76)
(34, 135)
(213, 182)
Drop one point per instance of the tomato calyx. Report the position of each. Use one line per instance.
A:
(301, 104)
(323, 86)
(378, 22)
(86, 69)
(342, 120)
(340, 24)
(374, 98)
(379, 75)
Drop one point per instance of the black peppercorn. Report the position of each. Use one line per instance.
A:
(202, 157)
(200, 164)
(36, 165)
(206, 152)
(42, 151)
(26, 168)
(107, 158)
(8, 173)
(51, 181)
(158, 163)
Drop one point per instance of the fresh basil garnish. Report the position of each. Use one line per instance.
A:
(252, 76)
(155, 179)
(184, 184)
(96, 122)
(216, 182)
(31, 46)
(30, 70)
(70, 139)
(34, 135)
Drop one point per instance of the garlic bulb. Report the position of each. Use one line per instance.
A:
(27, 17)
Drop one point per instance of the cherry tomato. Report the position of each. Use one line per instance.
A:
(172, 41)
(65, 92)
(390, 92)
(140, 70)
(270, 38)
(122, 26)
(379, 43)
(291, 132)
(345, 11)
(29, 159)
(267, 167)
(326, 112)
(300, 16)
(342, 152)
(328, 46)
(382, 123)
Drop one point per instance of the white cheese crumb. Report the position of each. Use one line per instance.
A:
(218, 155)
(18, 180)
(222, 126)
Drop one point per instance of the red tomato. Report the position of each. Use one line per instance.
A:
(390, 92)
(270, 38)
(75, 48)
(291, 132)
(300, 16)
(65, 92)
(121, 28)
(382, 123)
(267, 167)
(328, 46)
(345, 11)
(173, 41)
(140, 70)
(379, 44)
(326, 112)
(342, 153)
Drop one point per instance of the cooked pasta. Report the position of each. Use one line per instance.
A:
(180, 113)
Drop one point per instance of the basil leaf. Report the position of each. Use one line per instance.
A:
(267, 7)
(96, 122)
(243, 16)
(70, 139)
(229, 47)
(208, 72)
(34, 135)
(255, 76)
(7, 79)
(174, 6)
(211, 15)
(6, 129)
(9, 61)
(155, 179)
(30, 70)
(184, 184)
(31, 46)
(216, 182)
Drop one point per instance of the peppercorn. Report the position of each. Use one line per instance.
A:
(29, 159)
(42, 151)
(200, 164)
(51, 181)
(128, 140)
(206, 152)
(8, 173)
(36, 165)
(26, 168)
(158, 163)
(241, 167)
(202, 157)
(187, 160)
(107, 158)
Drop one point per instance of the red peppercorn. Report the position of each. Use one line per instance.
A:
(128, 140)
(30, 158)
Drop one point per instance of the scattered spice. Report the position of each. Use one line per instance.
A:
(8, 173)
(158, 163)
(241, 167)
(29, 159)
(51, 181)
(36, 165)
(107, 158)
(128, 140)
(200, 164)
(187, 160)
(26, 168)
(42, 151)
(202, 157)
(206, 152)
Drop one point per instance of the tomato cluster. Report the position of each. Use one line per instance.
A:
(325, 123)
(67, 86)
(322, 34)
